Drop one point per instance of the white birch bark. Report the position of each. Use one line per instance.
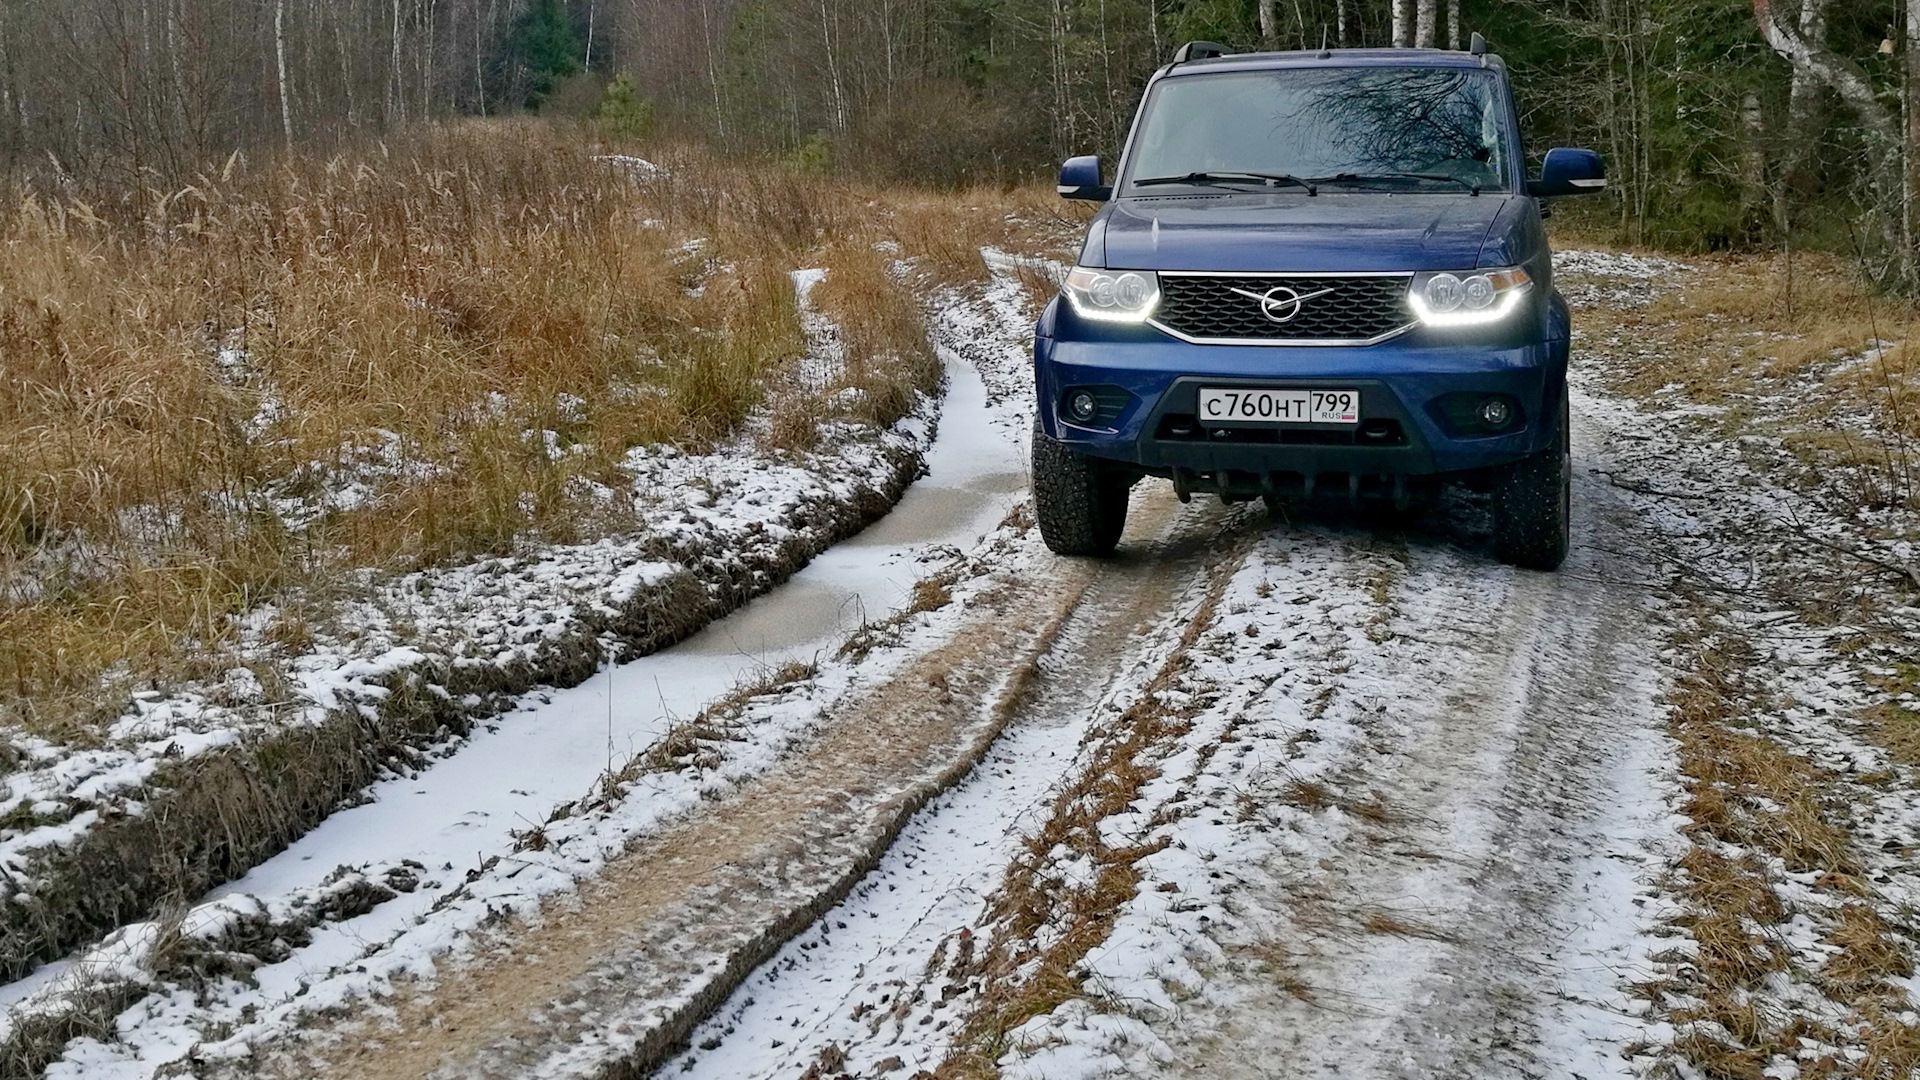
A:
(1269, 23)
(479, 76)
(280, 62)
(1403, 21)
(1454, 29)
(1810, 54)
(833, 69)
(1843, 76)
(1910, 188)
(1426, 13)
(396, 90)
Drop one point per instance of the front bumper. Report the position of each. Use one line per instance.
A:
(1411, 389)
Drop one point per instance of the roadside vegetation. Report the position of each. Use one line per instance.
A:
(1796, 346)
(429, 350)
(1794, 582)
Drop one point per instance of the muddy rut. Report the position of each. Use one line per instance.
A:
(624, 970)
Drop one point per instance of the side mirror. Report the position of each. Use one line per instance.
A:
(1080, 179)
(1569, 172)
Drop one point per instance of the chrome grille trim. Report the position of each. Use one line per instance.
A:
(1369, 307)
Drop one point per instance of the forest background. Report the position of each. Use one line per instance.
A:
(1727, 124)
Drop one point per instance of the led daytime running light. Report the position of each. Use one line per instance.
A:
(1478, 299)
(1126, 296)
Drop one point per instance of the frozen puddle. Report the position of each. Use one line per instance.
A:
(527, 762)
(974, 476)
(512, 771)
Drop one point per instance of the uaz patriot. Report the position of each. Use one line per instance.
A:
(1315, 273)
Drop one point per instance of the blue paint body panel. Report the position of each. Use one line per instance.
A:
(1151, 376)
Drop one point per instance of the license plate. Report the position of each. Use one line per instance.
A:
(1253, 406)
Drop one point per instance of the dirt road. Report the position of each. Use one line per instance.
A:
(1469, 757)
(1317, 797)
(1478, 923)
(622, 973)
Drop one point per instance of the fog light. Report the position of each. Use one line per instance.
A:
(1082, 405)
(1496, 412)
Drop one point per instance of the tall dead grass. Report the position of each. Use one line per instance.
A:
(420, 352)
(1809, 331)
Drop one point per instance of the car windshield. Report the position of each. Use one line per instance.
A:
(1372, 128)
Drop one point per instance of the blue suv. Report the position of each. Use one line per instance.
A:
(1315, 273)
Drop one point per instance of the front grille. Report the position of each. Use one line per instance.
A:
(1357, 309)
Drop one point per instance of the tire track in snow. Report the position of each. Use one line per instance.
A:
(865, 986)
(1445, 866)
(606, 986)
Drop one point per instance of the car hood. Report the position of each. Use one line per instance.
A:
(1294, 232)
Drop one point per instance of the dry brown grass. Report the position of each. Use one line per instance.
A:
(945, 232)
(1307, 794)
(1021, 978)
(470, 323)
(1799, 332)
(1748, 794)
(1380, 921)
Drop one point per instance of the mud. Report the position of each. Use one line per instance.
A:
(622, 973)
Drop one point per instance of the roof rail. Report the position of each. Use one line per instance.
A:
(1198, 50)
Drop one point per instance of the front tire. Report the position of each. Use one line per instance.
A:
(1532, 505)
(1080, 503)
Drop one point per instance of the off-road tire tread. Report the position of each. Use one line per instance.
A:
(1530, 507)
(1081, 507)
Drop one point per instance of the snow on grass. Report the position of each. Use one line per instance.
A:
(638, 168)
(521, 811)
(1616, 264)
(1596, 279)
(1796, 567)
(1750, 544)
(725, 509)
(722, 513)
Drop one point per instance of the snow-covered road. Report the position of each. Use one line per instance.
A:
(1325, 797)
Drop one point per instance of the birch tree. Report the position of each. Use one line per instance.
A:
(1269, 23)
(1886, 170)
(280, 63)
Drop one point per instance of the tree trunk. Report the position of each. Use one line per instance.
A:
(479, 76)
(1402, 23)
(1911, 190)
(833, 69)
(1269, 23)
(1454, 29)
(1426, 13)
(396, 89)
(1753, 158)
(280, 62)
(1800, 102)
(1810, 54)
(1340, 22)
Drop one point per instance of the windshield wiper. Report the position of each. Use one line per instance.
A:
(1201, 178)
(1347, 177)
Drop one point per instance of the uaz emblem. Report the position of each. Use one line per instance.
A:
(1281, 303)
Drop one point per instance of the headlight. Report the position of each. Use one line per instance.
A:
(1112, 295)
(1475, 298)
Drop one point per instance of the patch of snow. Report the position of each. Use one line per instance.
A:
(464, 820)
(636, 167)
